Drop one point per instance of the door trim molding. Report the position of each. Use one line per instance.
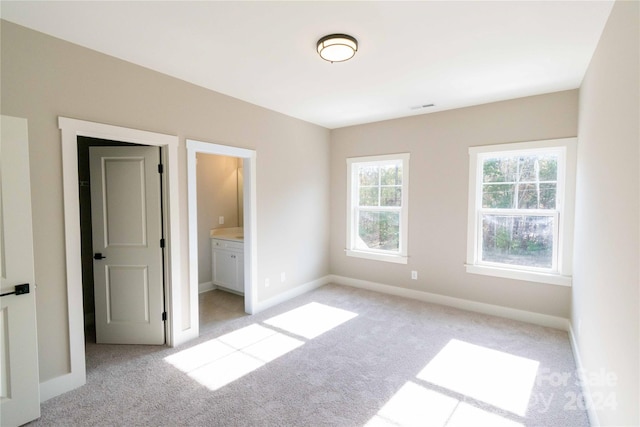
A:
(70, 130)
(250, 221)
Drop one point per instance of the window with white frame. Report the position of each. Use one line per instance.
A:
(377, 205)
(521, 210)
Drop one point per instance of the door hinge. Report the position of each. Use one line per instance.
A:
(164, 316)
(162, 243)
(160, 168)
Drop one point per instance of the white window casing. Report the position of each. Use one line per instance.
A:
(355, 247)
(559, 272)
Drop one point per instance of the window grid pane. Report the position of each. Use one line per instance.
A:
(369, 196)
(519, 240)
(391, 174)
(520, 181)
(380, 185)
(378, 230)
(369, 175)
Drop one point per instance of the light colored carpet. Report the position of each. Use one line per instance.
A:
(218, 306)
(337, 356)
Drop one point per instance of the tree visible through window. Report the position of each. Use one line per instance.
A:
(380, 186)
(378, 206)
(519, 214)
(519, 209)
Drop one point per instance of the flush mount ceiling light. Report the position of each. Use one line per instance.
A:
(337, 47)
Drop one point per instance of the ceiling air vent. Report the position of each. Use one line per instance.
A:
(420, 107)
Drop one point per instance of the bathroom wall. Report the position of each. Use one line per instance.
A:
(217, 195)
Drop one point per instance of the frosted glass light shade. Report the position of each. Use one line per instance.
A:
(337, 47)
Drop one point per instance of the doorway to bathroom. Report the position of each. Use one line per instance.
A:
(222, 261)
(220, 188)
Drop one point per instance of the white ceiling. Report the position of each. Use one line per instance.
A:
(449, 53)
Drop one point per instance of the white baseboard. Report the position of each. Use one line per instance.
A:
(292, 293)
(62, 384)
(586, 391)
(184, 336)
(205, 287)
(463, 304)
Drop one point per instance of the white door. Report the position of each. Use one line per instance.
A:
(127, 228)
(19, 380)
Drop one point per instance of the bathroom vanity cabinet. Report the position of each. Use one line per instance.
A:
(227, 261)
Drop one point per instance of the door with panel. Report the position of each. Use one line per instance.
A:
(126, 216)
(19, 379)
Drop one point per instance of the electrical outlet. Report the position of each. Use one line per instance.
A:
(414, 275)
(283, 277)
(266, 283)
(221, 220)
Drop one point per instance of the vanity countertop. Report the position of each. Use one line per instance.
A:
(235, 234)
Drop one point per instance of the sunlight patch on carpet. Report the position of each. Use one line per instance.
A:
(311, 320)
(494, 377)
(468, 415)
(199, 355)
(246, 336)
(415, 405)
(218, 362)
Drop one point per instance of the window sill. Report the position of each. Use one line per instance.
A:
(398, 259)
(530, 276)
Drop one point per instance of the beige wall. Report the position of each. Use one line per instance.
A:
(606, 310)
(217, 188)
(438, 192)
(43, 78)
(301, 185)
